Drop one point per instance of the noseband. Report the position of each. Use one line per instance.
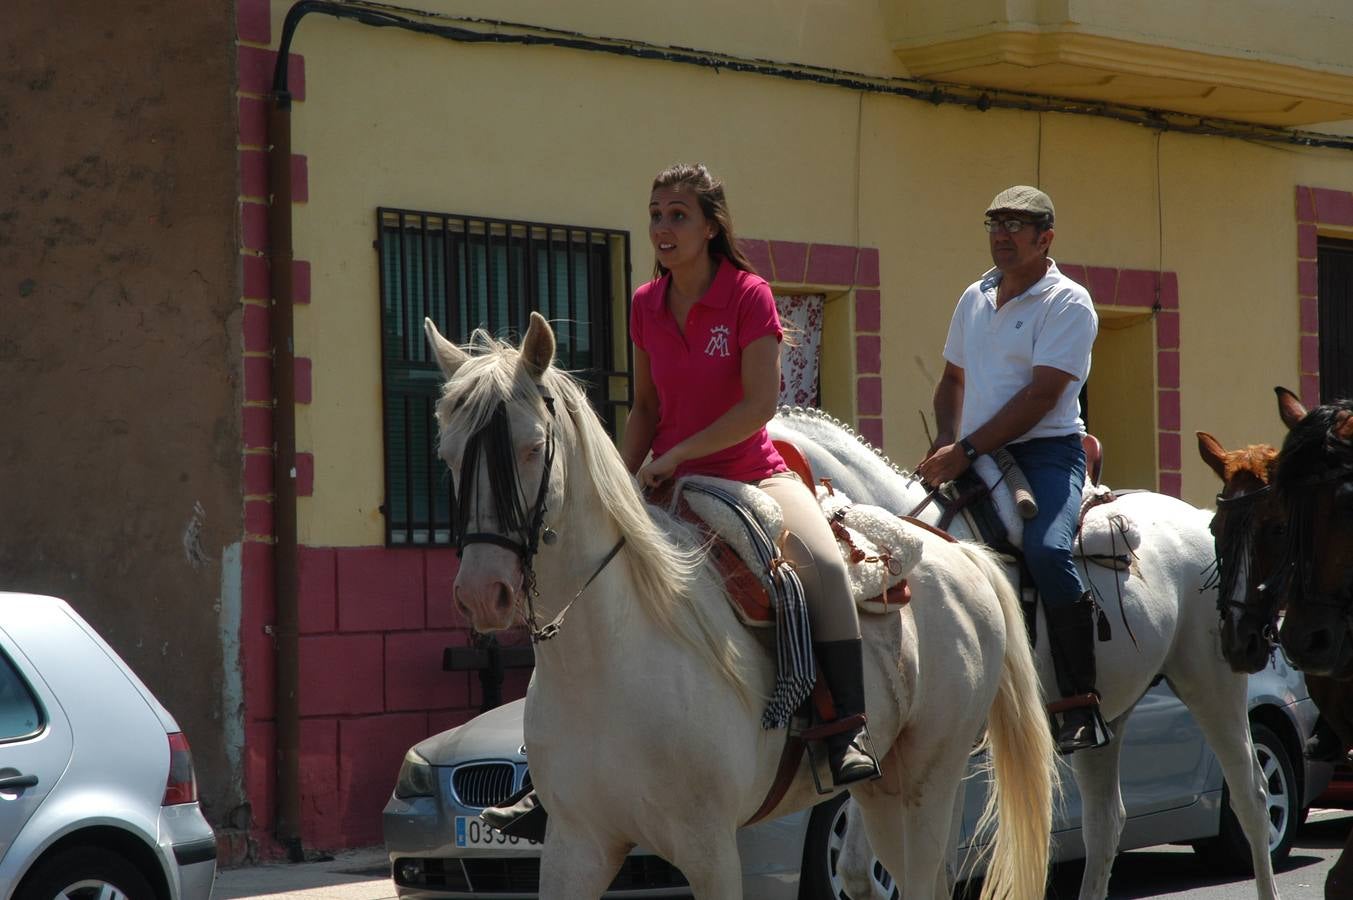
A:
(526, 526)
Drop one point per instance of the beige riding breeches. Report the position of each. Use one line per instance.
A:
(812, 547)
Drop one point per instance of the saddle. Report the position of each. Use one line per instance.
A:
(1106, 535)
(878, 548)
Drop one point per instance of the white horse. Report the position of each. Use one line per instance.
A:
(643, 715)
(1163, 599)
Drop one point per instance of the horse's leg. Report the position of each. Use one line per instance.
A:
(1102, 812)
(1339, 881)
(712, 867)
(577, 868)
(1217, 698)
(909, 812)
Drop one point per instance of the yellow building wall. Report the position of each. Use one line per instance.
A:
(551, 135)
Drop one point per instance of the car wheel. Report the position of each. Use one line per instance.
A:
(826, 835)
(85, 873)
(1229, 850)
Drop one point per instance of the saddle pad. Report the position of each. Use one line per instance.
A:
(1106, 531)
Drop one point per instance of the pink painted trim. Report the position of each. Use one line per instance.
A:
(1142, 289)
(300, 281)
(256, 70)
(254, 226)
(304, 388)
(254, 174)
(790, 259)
(305, 474)
(255, 275)
(831, 264)
(253, 122)
(790, 263)
(300, 178)
(1333, 207)
(255, 328)
(258, 474)
(253, 21)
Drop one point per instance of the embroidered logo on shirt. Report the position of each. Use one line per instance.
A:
(718, 341)
(1019, 324)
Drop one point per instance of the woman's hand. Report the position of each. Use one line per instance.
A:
(658, 470)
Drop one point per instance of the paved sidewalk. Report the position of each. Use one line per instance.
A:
(350, 875)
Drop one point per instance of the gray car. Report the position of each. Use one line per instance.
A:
(1172, 788)
(98, 797)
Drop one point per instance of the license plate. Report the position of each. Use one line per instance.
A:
(472, 832)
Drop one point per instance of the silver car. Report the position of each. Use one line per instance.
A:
(1172, 788)
(98, 797)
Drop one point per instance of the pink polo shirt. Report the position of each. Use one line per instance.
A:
(698, 375)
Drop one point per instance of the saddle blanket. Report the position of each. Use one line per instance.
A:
(1107, 533)
(879, 549)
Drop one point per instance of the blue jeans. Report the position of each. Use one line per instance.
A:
(1055, 467)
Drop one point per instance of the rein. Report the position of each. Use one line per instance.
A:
(1239, 541)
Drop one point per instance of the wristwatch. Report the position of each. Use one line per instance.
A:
(968, 449)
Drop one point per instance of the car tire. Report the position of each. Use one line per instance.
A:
(822, 844)
(81, 872)
(1229, 850)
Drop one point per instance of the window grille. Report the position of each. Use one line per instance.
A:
(464, 273)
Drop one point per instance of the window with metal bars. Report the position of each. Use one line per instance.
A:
(465, 273)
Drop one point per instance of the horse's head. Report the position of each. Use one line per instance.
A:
(1314, 479)
(498, 433)
(1248, 530)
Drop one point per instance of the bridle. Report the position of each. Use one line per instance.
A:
(526, 528)
(1240, 540)
(1300, 548)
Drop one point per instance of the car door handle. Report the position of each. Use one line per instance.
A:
(13, 782)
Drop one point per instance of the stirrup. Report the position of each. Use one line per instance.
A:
(1080, 707)
(815, 739)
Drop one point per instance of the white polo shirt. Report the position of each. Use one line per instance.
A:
(1053, 323)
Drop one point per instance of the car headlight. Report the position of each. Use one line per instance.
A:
(416, 777)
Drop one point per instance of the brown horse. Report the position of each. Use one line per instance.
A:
(1252, 533)
(1314, 482)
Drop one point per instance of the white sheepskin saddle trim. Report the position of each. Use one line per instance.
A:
(1106, 531)
(882, 549)
(889, 546)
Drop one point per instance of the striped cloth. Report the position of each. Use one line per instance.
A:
(795, 670)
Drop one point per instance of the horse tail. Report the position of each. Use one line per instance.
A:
(1023, 758)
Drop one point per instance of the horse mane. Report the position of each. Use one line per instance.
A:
(1304, 450)
(663, 556)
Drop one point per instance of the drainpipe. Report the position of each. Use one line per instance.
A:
(286, 636)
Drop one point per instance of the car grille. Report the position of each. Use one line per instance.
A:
(500, 876)
(483, 784)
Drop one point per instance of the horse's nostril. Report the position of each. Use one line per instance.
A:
(1318, 641)
(504, 600)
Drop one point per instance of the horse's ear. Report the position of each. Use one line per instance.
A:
(1289, 407)
(537, 348)
(449, 356)
(1213, 453)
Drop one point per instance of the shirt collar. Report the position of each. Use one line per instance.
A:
(992, 277)
(717, 296)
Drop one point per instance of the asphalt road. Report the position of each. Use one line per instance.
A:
(1169, 871)
(1154, 872)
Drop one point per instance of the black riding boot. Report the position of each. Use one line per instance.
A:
(842, 664)
(1071, 636)
(520, 815)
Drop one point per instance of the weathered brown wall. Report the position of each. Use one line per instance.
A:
(119, 341)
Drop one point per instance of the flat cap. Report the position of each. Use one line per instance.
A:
(1025, 199)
